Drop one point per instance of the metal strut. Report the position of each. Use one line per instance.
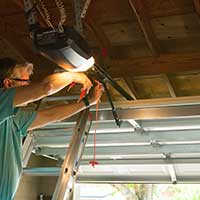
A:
(27, 149)
(104, 77)
(68, 174)
(30, 11)
(114, 112)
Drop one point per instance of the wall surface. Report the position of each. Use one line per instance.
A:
(31, 187)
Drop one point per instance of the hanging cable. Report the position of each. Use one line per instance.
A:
(63, 15)
(45, 15)
(42, 9)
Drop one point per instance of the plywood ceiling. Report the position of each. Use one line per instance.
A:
(153, 46)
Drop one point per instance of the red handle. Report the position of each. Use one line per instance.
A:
(71, 85)
(82, 95)
(83, 92)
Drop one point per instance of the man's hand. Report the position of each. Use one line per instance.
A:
(82, 79)
(61, 112)
(95, 98)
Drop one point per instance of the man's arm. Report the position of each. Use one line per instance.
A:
(58, 113)
(50, 85)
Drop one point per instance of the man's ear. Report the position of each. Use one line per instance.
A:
(7, 83)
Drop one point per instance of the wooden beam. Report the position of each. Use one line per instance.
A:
(25, 51)
(98, 33)
(131, 86)
(197, 6)
(14, 39)
(101, 39)
(20, 4)
(168, 63)
(140, 11)
(169, 85)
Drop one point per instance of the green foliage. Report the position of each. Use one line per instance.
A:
(176, 192)
(169, 191)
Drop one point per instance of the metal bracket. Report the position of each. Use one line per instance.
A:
(137, 127)
(167, 156)
(85, 8)
(103, 75)
(79, 25)
(80, 13)
(29, 9)
(155, 143)
(114, 112)
(172, 173)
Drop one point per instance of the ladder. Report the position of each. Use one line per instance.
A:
(68, 174)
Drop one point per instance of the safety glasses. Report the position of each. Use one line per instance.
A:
(21, 80)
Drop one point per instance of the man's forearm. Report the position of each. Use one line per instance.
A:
(50, 85)
(56, 113)
(58, 81)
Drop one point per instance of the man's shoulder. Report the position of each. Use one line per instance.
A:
(2, 90)
(6, 103)
(7, 91)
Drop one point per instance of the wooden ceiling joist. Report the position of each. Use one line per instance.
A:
(20, 4)
(197, 6)
(15, 41)
(131, 87)
(140, 11)
(169, 85)
(97, 31)
(25, 51)
(101, 39)
(168, 63)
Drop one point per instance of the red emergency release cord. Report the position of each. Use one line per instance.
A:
(94, 161)
(83, 92)
(82, 95)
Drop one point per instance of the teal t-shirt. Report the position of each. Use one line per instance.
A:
(14, 123)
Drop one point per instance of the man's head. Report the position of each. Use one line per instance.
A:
(13, 74)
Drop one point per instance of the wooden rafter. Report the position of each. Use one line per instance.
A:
(168, 63)
(99, 34)
(131, 86)
(14, 39)
(140, 11)
(102, 40)
(20, 4)
(25, 51)
(169, 85)
(197, 6)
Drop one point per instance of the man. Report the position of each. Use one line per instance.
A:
(16, 92)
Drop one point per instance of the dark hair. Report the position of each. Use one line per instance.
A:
(7, 66)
